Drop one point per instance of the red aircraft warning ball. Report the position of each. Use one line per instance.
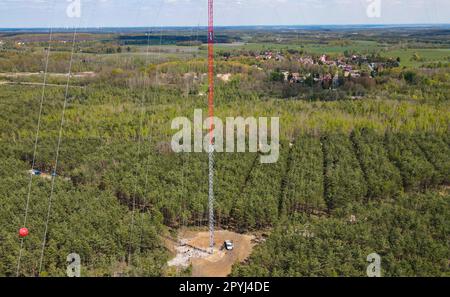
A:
(23, 232)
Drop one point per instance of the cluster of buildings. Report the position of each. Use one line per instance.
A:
(327, 79)
(269, 55)
(348, 67)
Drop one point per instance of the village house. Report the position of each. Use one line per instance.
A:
(326, 80)
(306, 61)
(297, 78)
(279, 57)
(267, 55)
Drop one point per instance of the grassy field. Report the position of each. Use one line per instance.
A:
(426, 55)
(360, 46)
(315, 48)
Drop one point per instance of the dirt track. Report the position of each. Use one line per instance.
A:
(50, 74)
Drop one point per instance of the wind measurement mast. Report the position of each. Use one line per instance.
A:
(211, 114)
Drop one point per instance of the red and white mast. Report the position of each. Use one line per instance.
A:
(211, 115)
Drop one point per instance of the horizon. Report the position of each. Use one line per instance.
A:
(292, 26)
(229, 13)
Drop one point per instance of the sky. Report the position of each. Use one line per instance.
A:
(146, 13)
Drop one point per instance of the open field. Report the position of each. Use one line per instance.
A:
(425, 56)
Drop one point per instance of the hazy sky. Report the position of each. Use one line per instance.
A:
(123, 13)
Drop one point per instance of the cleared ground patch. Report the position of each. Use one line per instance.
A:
(192, 249)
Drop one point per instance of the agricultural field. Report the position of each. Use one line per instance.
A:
(415, 57)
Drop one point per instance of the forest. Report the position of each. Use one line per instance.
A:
(364, 162)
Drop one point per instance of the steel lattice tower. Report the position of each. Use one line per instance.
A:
(211, 114)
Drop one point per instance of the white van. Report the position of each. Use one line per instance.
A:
(228, 244)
